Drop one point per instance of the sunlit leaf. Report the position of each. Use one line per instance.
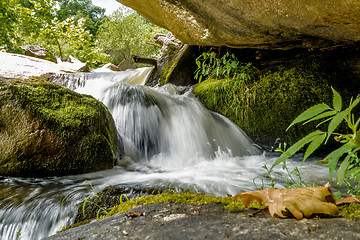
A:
(333, 157)
(337, 102)
(315, 144)
(343, 170)
(296, 147)
(334, 123)
(322, 115)
(310, 113)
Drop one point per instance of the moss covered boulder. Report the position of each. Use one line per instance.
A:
(274, 93)
(47, 130)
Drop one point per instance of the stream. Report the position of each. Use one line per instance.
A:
(170, 141)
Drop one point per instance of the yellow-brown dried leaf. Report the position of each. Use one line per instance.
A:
(297, 202)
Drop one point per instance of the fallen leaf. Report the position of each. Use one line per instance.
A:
(347, 200)
(297, 202)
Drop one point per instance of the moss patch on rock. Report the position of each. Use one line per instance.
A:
(350, 210)
(112, 207)
(279, 92)
(47, 130)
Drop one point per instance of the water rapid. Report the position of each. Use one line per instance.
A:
(170, 140)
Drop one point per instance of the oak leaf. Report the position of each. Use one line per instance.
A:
(297, 202)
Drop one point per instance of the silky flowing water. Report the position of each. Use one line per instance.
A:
(170, 141)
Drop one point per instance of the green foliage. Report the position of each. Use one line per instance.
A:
(69, 37)
(126, 33)
(292, 179)
(79, 9)
(34, 22)
(265, 106)
(349, 170)
(228, 66)
(8, 19)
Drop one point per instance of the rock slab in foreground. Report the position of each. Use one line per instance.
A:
(261, 23)
(180, 221)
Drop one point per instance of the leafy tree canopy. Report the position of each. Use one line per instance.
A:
(94, 15)
(126, 33)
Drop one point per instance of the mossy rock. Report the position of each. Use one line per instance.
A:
(99, 204)
(278, 93)
(47, 130)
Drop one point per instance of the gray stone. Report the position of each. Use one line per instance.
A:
(38, 52)
(179, 221)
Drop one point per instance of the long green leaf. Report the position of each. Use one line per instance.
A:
(322, 115)
(336, 121)
(310, 113)
(343, 170)
(338, 118)
(296, 147)
(334, 156)
(315, 144)
(337, 102)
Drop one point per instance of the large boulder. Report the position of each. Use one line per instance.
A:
(47, 130)
(260, 24)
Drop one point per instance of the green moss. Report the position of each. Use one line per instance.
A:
(62, 108)
(350, 210)
(266, 106)
(170, 197)
(59, 131)
(166, 71)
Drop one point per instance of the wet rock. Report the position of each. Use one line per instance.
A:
(21, 66)
(255, 24)
(209, 221)
(103, 201)
(125, 64)
(176, 63)
(47, 130)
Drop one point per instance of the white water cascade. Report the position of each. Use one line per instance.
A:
(170, 140)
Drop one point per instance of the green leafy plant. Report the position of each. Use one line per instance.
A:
(101, 210)
(349, 169)
(226, 66)
(292, 179)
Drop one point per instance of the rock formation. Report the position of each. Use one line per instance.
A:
(38, 52)
(256, 24)
(47, 130)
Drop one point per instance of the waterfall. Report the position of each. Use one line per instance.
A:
(159, 125)
(170, 140)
